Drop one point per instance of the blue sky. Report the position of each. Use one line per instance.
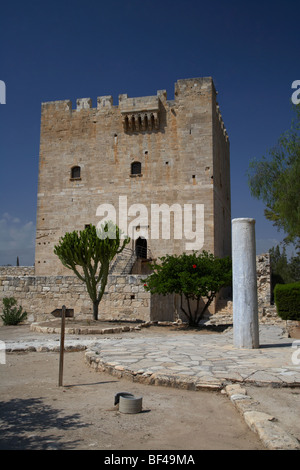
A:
(70, 49)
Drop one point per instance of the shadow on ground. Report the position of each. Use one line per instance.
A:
(30, 424)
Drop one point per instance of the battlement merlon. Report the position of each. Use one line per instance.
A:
(187, 85)
(103, 102)
(53, 106)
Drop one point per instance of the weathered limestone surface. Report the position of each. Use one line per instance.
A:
(183, 149)
(16, 271)
(125, 297)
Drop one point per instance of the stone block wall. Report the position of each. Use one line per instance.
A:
(183, 151)
(125, 297)
(40, 295)
(16, 271)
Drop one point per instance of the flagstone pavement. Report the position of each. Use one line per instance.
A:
(204, 359)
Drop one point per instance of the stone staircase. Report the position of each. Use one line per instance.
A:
(123, 262)
(223, 315)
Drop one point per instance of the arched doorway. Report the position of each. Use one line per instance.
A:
(141, 248)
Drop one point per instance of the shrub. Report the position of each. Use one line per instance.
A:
(12, 315)
(194, 277)
(287, 300)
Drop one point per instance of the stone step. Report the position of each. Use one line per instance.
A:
(123, 262)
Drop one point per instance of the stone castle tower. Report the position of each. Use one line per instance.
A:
(150, 159)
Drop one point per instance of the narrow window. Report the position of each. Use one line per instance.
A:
(75, 172)
(136, 168)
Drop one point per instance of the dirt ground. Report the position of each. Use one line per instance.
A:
(37, 414)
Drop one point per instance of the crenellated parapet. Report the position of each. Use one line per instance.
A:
(138, 114)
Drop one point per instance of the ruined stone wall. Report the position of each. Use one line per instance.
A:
(263, 268)
(183, 151)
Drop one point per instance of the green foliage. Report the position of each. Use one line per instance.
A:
(89, 253)
(283, 271)
(192, 276)
(12, 315)
(287, 300)
(280, 266)
(276, 182)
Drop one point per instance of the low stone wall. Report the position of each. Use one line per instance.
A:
(40, 295)
(16, 271)
(125, 297)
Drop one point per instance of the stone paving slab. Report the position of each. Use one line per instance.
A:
(204, 357)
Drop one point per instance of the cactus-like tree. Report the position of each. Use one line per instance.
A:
(89, 253)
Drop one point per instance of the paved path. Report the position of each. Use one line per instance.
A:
(210, 359)
(202, 358)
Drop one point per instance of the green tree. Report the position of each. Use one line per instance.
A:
(279, 266)
(283, 271)
(276, 181)
(193, 277)
(294, 268)
(89, 254)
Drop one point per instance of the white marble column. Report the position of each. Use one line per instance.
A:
(245, 308)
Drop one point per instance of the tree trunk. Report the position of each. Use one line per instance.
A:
(198, 318)
(95, 310)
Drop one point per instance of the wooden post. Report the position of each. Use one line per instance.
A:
(62, 346)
